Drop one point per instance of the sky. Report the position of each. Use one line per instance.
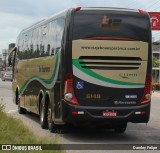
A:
(15, 15)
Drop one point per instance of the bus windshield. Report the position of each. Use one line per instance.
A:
(110, 24)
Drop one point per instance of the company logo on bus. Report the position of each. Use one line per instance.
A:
(105, 20)
(128, 75)
(124, 102)
(108, 23)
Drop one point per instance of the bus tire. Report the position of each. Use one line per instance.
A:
(120, 128)
(51, 126)
(20, 109)
(43, 115)
(16, 97)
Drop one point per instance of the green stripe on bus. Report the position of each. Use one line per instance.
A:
(47, 81)
(99, 77)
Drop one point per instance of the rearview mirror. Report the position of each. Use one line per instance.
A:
(11, 57)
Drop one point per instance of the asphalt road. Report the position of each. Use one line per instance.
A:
(136, 134)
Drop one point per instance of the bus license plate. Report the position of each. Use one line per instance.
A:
(109, 113)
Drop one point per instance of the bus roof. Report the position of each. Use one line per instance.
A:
(63, 13)
(45, 20)
(109, 8)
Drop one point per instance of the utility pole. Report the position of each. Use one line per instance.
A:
(5, 58)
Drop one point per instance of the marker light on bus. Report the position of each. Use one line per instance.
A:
(77, 113)
(69, 95)
(140, 113)
(77, 9)
(141, 11)
(147, 91)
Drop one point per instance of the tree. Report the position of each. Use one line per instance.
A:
(155, 62)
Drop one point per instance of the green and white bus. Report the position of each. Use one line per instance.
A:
(85, 66)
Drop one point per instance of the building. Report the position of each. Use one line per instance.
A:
(156, 62)
(1, 62)
(4, 57)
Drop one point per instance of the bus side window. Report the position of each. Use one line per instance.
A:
(59, 31)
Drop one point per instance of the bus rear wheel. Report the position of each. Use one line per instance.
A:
(51, 126)
(43, 115)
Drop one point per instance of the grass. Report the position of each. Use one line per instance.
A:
(12, 131)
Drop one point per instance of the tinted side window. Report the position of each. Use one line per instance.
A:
(42, 41)
(53, 35)
(59, 31)
(56, 34)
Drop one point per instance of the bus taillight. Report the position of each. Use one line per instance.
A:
(77, 9)
(69, 95)
(147, 91)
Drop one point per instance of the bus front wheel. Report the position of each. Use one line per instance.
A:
(20, 109)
